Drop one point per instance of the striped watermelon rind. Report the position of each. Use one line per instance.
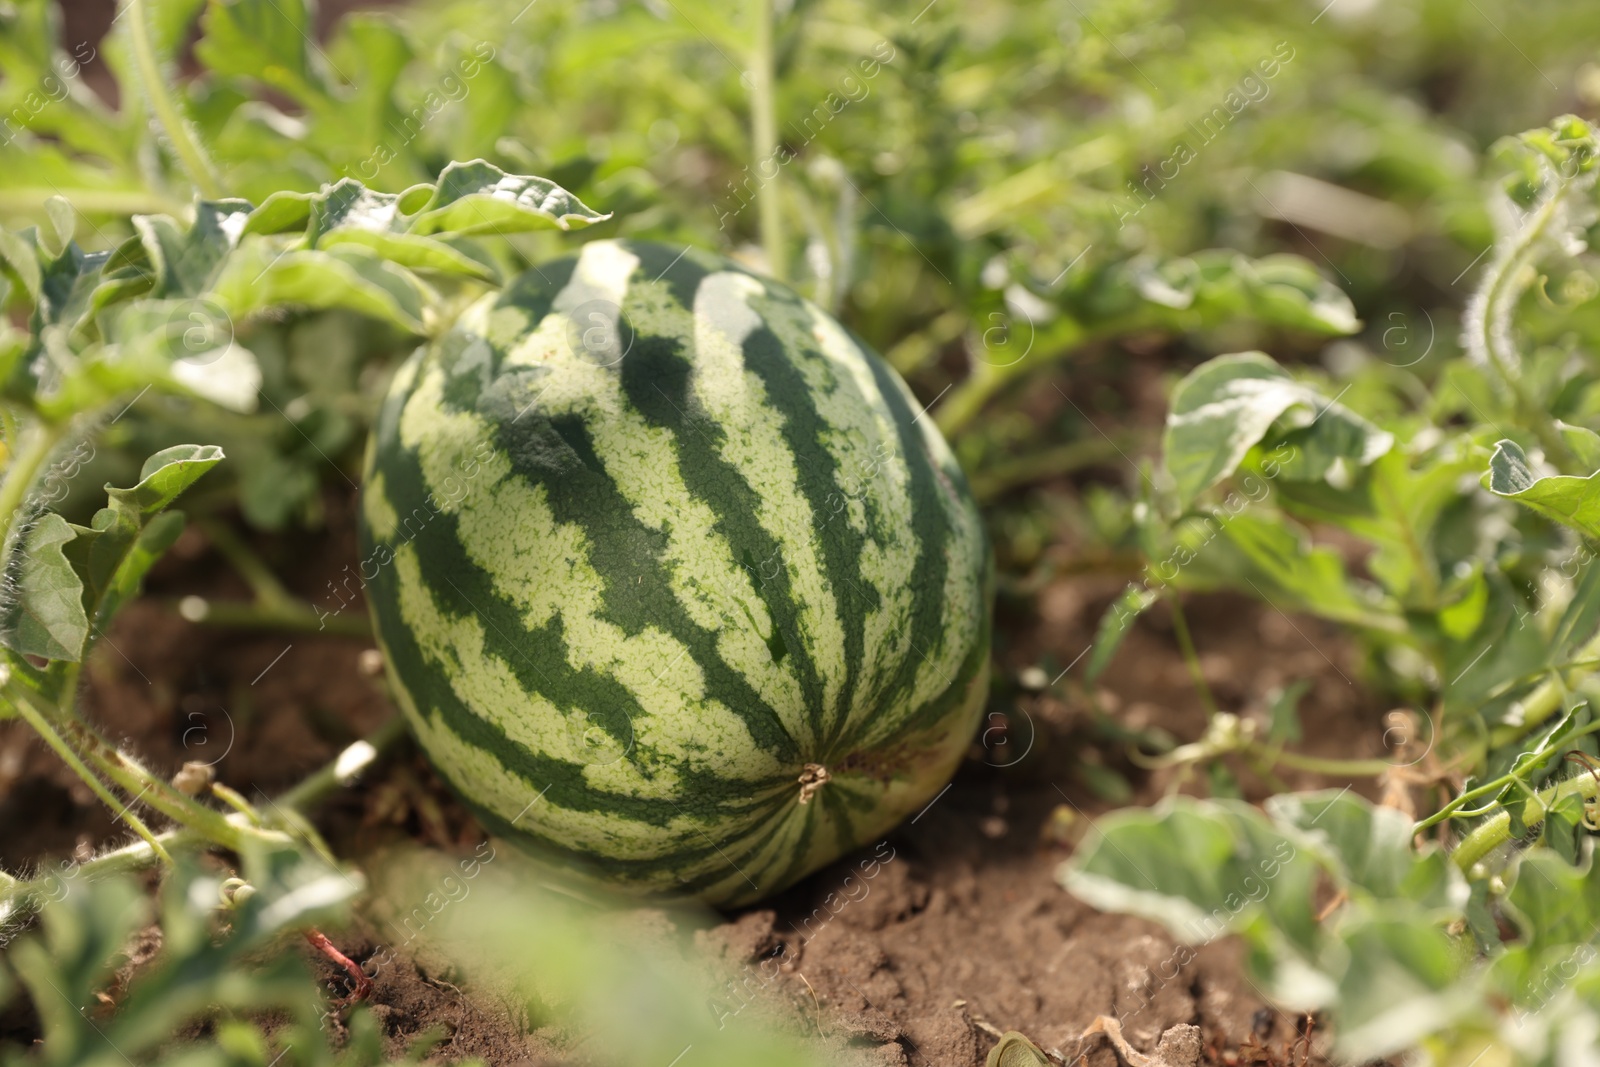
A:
(674, 581)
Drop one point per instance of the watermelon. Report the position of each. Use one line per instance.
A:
(673, 579)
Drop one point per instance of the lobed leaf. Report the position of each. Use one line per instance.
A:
(44, 613)
(1569, 500)
(1227, 405)
(478, 197)
(163, 476)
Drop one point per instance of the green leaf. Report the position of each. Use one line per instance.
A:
(479, 197)
(1199, 868)
(1460, 619)
(1403, 980)
(1227, 405)
(112, 557)
(1370, 848)
(1218, 285)
(66, 285)
(1584, 442)
(1569, 500)
(183, 345)
(71, 959)
(1114, 626)
(348, 203)
(45, 615)
(257, 278)
(264, 40)
(1276, 561)
(186, 262)
(286, 211)
(73, 579)
(163, 476)
(170, 22)
(63, 220)
(19, 256)
(349, 213)
(1552, 902)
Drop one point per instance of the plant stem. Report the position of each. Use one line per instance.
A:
(764, 141)
(1350, 768)
(1489, 313)
(1545, 700)
(991, 482)
(20, 475)
(1063, 339)
(968, 398)
(345, 767)
(1551, 748)
(157, 791)
(294, 617)
(269, 592)
(139, 855)
(1180, 630)
(44, 729)
(179, 133)
(1496, 831)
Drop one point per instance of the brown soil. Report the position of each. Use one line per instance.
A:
(962, 934)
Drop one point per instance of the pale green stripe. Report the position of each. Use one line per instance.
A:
(713, 590)
(542, 567)
(865, 444)
(753, 444)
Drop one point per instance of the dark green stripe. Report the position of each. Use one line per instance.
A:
(657, 380)
(723, 860)
(538, 659)
(931, 531)
(789, 393)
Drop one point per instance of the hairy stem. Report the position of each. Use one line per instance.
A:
(156, 791)
(45, 730)
(1496, 830)
(1490, 311)
(16, 893)
(1546, 699)
(20, 475)
(179, 133)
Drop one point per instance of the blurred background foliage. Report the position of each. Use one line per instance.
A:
(984, 191)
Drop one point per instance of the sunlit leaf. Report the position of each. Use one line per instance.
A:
(479, 198)
(1569, 500)
(163, 476)
(1227, 405)
(257, 277)
(44, 615)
